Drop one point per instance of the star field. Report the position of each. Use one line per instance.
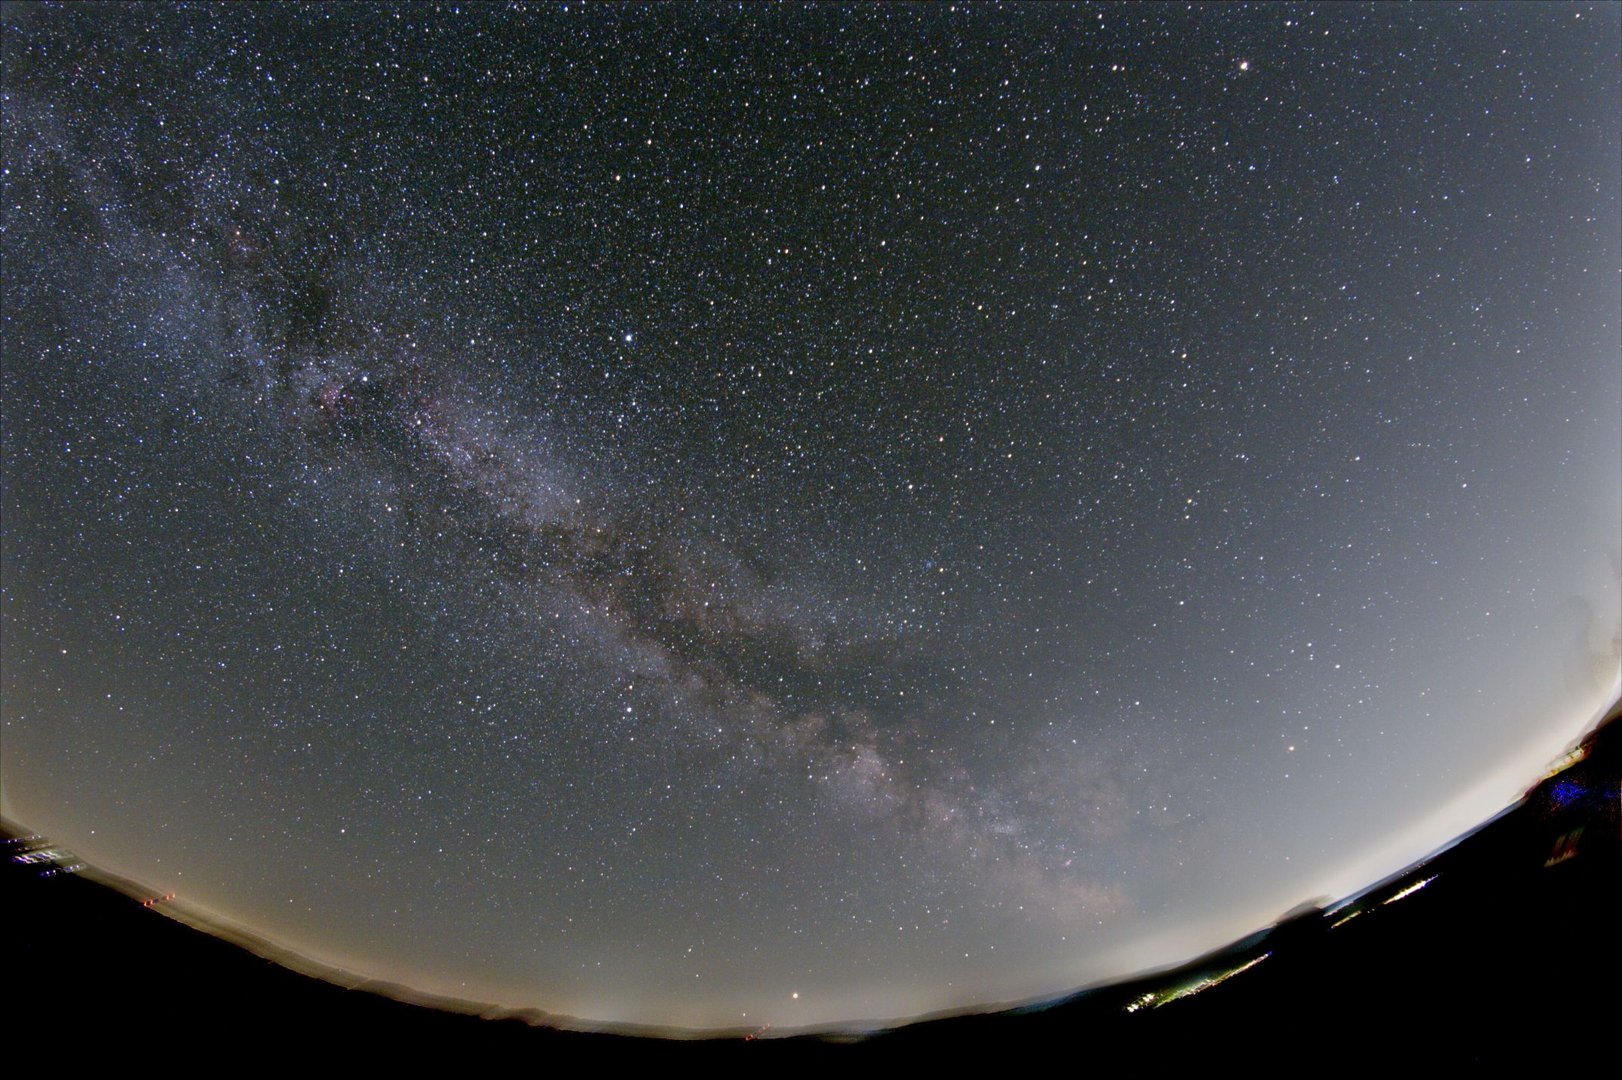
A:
(721, 515)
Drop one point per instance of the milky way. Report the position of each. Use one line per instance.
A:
(713, 517)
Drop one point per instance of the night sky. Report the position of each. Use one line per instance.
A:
(726, 515)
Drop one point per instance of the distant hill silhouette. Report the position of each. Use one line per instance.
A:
(1502, 948)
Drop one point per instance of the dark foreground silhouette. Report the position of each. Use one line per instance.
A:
(1503, 948)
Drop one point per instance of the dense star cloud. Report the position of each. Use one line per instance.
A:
(715, 516)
